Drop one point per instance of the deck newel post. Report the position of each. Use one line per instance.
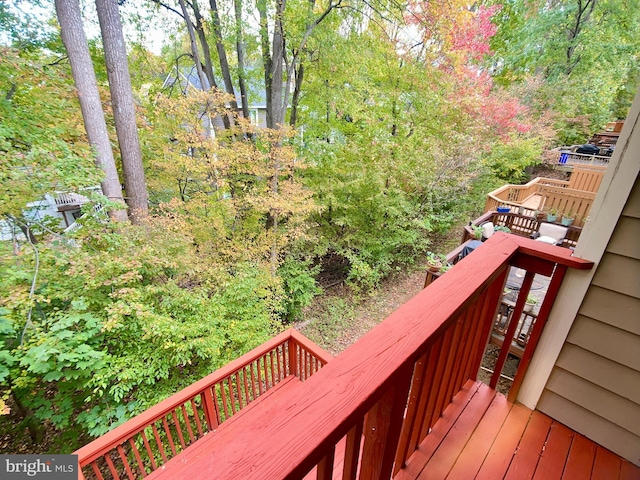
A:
(210, 413)
(382, 428)
(293, 357)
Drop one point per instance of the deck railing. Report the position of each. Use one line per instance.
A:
(147, 441)
(383, 394)
(522, 225)
(514, 195)
(565, 201)
(587, 178)
(544, 194)
(573, 158)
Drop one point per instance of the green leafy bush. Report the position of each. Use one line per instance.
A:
(121, 321)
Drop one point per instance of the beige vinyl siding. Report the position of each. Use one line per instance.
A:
(594, 387)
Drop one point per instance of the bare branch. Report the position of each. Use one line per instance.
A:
(168, 7)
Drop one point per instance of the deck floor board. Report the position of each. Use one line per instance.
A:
(527, 456)
(500, 440)
(554, 453)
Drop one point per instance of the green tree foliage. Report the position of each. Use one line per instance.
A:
(585, 51)
(42, 140)
(391, 147)
(122, 320)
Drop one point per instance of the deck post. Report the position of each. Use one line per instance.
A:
(210, 412)
(293, 357)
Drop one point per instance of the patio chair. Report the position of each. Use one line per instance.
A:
(550, 233)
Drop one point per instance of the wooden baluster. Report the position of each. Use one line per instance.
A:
(136, 454)
(352, 451)
(159, 443)
(187, 421)
(125, 462)
(536, 331)
(169, 436)
(443, 393)
(508, 338)
(489, 313)
(462, 351)
(225, 403)
(210, 410)
(147, 447)
(246, 385)
(429, 388)
(273, 368)
(96, 470)
(432, 407)
(268, 383)
(111, 466)
(232, 400)
(409, 423)
(382, 427)
(253, 381)
(304, 366)
(178, 429)
(196, 414)
(261, 387)
(279, 358)
(325, 467)
(239, 390)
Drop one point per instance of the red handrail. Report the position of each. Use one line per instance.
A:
(387, 390)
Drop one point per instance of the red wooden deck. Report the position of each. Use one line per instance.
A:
(399, 403)
(483, 436)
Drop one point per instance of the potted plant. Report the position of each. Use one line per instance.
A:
(434, 262)
(501, 228)
(477, 232)
(567, 218)
(445, 267)
(552, 215)
(530, 303)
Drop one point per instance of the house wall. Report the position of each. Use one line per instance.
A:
(585, 371)
(594, 386)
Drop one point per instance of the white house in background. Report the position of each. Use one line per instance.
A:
(63, 206)
(182, 79)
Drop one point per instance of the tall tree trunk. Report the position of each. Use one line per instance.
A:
(295, 101)
(84, 76)
(237, 5)
(277, 59)
(261, 5)
(196, 54)
(124, 114)
(206, 51)
(222, 54)
(194, 46)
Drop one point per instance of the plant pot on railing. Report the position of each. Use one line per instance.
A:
(434, 262)
(567, 218)
(552, 215)
(503, 209)
(530, 304)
